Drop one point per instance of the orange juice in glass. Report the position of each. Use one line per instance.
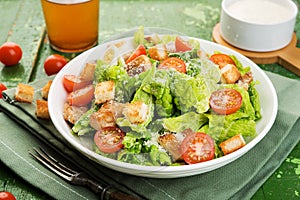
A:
(72, 25)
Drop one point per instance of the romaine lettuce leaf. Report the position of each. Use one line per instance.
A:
(105, 72)
(247, 106)
(190, 93)
(159, 158)
(223, 127)
(190, 120)
(82, 126)
(242, 70)
(154, 157)
(254, 98)
(159, 88)
(146, 98)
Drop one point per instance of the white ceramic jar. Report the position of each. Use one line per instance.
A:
(258, 25)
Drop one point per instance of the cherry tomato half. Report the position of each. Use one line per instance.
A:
(2, 88)
(10, 53)
(181, 45)
(54, 63)
(72, 83)
(221, 59)
(197, 147)
(173, 62)
(109, 140)
(7, 196)
(225, 101)
(81, 97)
(140, 50)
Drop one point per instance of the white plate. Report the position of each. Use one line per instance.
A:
(57, 97)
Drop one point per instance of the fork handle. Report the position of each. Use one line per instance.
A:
(107, 192)
(111, 193)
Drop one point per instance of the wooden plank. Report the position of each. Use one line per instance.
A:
(27, 30)
(9, 10)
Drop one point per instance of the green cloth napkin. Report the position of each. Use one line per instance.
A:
(237, 180)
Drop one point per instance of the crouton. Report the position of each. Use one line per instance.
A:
(230, 74)
(169, 142)
(41, 110)
(232, 144)
(158, 52)
(45, 90)
(24, 93)
(136, 112)
(104, 91)
(115, 107)
(138, 65)
(87, 74)
(245, 80)
(103, 118)
(73, 113)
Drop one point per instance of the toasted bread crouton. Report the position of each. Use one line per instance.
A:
(45, 90)
(104, 117)
(104, 91)
(169, 142)
(245, 80)
(138, 65)
(115, 107)
(24, 93)
(87, 74)
(136, 112)
(73, 113)
(158, 52)
(230, 74)
(232, 144)
(41, 110)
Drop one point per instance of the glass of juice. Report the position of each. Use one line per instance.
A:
(72, 25)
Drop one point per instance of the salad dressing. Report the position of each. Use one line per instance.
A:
(260, 11)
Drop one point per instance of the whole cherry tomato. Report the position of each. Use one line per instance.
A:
(7, 196)
(54, 63)
(2, 88)
(10, 53)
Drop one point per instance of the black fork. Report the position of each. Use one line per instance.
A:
(79, 178)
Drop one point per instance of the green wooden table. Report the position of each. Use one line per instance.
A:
(22, 21)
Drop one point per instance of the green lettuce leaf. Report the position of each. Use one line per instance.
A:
(159, 88)
(243, 70)
(223, 127)
(82, 126)
(190, 93)
(105, 72)
(190, 120)
(255, 100)
(146, 98)
(247, 106)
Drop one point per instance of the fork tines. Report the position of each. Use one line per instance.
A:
(79, 178)
(51, 163)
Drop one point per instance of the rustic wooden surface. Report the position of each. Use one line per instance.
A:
(22, 21)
